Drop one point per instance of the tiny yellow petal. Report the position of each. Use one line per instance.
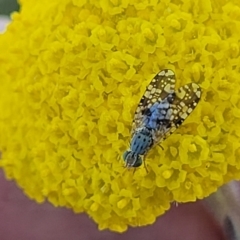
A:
(167, 174)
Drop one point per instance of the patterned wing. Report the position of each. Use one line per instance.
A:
(159, 88)
(180, 104)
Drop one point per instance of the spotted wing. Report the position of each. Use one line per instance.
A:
(159, 88)
(181, 103)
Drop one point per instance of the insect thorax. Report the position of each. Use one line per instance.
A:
(142, 141)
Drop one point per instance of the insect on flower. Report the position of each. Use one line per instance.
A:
(160, 112)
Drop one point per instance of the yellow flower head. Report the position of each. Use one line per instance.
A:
(72, 74)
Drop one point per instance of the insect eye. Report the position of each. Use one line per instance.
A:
(138, 162)
(125, 155)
